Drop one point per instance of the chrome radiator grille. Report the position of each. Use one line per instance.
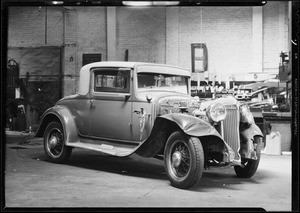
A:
(230, 129)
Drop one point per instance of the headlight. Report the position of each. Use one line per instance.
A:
(246, 115)
(216, 112)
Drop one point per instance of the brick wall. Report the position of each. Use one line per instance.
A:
(225, 31)
(275, 34)
(141, 32)
(69, 62)
(172, 36)
(160, 35)
(90, 34)
(26, 26)
(91, 31)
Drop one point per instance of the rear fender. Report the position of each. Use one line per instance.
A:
(64, 116)
(247, 139)
(166, 124)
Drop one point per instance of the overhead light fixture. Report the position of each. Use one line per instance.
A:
(150, 3)
(137, 3)
(57, 2)
(96, 2)
(165, 3)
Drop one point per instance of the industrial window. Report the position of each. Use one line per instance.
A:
(199, 58)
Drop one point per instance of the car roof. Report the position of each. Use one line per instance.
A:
(127, 64)
(110, 64)
(142, 67)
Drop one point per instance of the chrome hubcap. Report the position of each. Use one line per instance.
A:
(53, 142)
(176, 159)
(180, 159)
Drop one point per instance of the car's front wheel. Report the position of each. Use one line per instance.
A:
(54, 144)
(250, 166)
(184, 160)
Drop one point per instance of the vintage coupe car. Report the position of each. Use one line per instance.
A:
(130, 107)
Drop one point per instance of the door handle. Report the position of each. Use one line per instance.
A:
(139, 112)
(92, 104)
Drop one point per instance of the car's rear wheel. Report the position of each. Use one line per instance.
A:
(184, 160)
(249, 166)
(54, 143)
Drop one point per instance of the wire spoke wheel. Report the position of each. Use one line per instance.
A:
(180, 159)
(250, 166)
(184, 160)
(54, 144)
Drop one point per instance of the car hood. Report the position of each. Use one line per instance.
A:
(226, 101)
(172, 102)
(167, 102)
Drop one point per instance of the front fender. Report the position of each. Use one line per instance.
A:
(62, 114)
(191, 125)
(250, 132)
(164, 125)
(247, 138)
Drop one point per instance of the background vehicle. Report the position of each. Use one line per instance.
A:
(128, 107)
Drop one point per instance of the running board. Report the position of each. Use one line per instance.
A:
(115, 149)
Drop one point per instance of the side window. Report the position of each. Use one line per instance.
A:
(116, 81)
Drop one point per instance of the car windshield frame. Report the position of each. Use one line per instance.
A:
(150, 81)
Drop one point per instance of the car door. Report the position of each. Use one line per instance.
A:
(142, 120)
(110, 108)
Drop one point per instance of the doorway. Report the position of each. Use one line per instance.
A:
(40, 80)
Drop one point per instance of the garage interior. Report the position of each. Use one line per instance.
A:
(229, 50)
(240, 49)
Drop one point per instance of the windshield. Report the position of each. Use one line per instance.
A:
(162, 82)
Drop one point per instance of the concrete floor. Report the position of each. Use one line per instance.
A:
(90, 179)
